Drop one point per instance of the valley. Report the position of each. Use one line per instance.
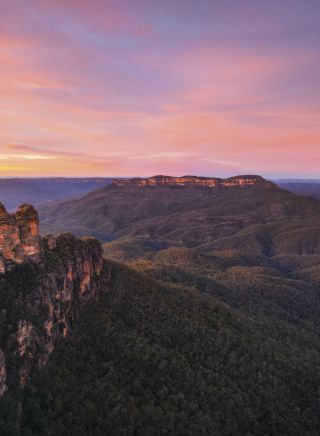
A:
(199, 314)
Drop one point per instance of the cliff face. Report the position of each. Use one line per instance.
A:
(210, 182)
(19, 236)
(42, 292)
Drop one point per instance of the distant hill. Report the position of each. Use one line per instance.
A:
(247, 216)
(301, 187)
(15, 191)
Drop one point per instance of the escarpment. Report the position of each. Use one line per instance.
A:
(210, 182)
(44, 284)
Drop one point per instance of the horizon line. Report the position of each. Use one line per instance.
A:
(146, 177)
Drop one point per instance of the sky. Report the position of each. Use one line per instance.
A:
(144, 87)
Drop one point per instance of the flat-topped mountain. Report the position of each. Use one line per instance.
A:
(211, 182)
(187, 210)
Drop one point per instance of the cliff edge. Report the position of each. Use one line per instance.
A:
(190, 181)
(44, 283)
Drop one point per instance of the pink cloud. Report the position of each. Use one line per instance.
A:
(103, 87)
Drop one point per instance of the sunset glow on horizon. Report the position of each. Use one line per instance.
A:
(137, 88)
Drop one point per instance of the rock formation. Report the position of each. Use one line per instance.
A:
(19, 236)
(210, 182)
(58, 276)
(63, 290)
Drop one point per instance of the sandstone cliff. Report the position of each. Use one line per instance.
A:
(210, 182)
(43, 286)
(19, 236)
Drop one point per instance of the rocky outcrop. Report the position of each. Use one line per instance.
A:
(69, 273)
(247, 181)
(210, 182)
(19, 236)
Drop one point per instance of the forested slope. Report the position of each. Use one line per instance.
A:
(152, 359)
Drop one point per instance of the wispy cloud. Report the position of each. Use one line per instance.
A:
(129, 88)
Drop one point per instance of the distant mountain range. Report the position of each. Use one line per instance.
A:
(301, 187)
(15, 191)
(202, 318)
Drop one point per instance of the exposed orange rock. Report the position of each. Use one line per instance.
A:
(72, 283)
(19, 236)
(210, 182)
(28, 223)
